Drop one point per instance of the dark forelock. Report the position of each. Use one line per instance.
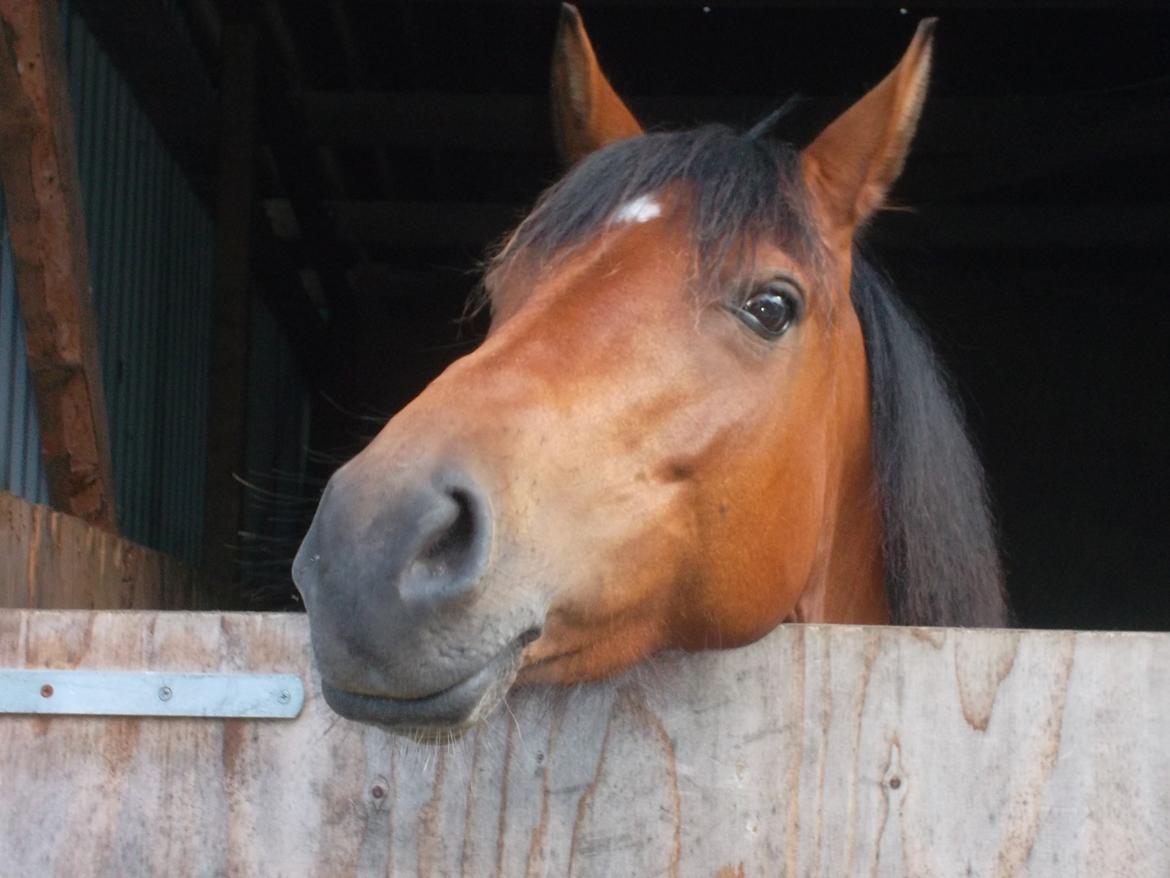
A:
(740, 190)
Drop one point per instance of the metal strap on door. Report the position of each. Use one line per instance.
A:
(150, 693)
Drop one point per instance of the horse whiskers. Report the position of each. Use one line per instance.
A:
(516, 723)
(375, 417)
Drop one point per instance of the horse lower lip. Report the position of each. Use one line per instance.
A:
(451, 707)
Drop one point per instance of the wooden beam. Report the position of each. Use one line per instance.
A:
(231, 294)
(819, 750)
(38, 169)
(296, 161)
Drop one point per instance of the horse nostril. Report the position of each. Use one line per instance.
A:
(529, 636)
(451, 554)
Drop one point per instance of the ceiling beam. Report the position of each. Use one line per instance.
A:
(145, 40)
(302, 173)
(1008, 225)
(965, 146)
(274, 265)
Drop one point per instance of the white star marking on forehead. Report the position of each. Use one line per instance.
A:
(640, 210)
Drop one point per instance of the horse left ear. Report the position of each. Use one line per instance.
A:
(587, 113)
(853, 163)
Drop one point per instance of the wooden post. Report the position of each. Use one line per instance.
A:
(38, 169)
(229, 360)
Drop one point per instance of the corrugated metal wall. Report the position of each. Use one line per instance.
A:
(277, 415)
(279, 503)
(151, 249)
(151, 256)
(21, 470)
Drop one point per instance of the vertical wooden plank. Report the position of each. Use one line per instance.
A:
(231, 290)
(16, 530)
(38, 169)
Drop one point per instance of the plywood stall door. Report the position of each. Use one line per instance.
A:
(819, 750)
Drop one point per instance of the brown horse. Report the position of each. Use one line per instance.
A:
(698, 413)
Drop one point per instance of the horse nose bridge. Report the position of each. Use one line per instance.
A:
(501, 381)
(521, 413)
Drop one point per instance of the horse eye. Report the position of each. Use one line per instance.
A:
(771, 310)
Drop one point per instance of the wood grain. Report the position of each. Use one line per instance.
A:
(820, 750)
(42, 191)
(50, 560)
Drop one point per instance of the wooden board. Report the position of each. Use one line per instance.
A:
(51, 560)
(820, 750)
(38, 170)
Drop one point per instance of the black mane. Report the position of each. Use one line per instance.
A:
(942, 565)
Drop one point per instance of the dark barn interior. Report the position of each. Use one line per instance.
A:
(361, 156)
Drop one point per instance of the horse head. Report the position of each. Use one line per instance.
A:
(665, 440)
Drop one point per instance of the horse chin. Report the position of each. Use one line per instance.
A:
(440, 717)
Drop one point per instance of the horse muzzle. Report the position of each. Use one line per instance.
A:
(393, 577)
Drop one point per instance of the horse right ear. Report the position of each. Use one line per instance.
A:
(853, 163)
(587, 113)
